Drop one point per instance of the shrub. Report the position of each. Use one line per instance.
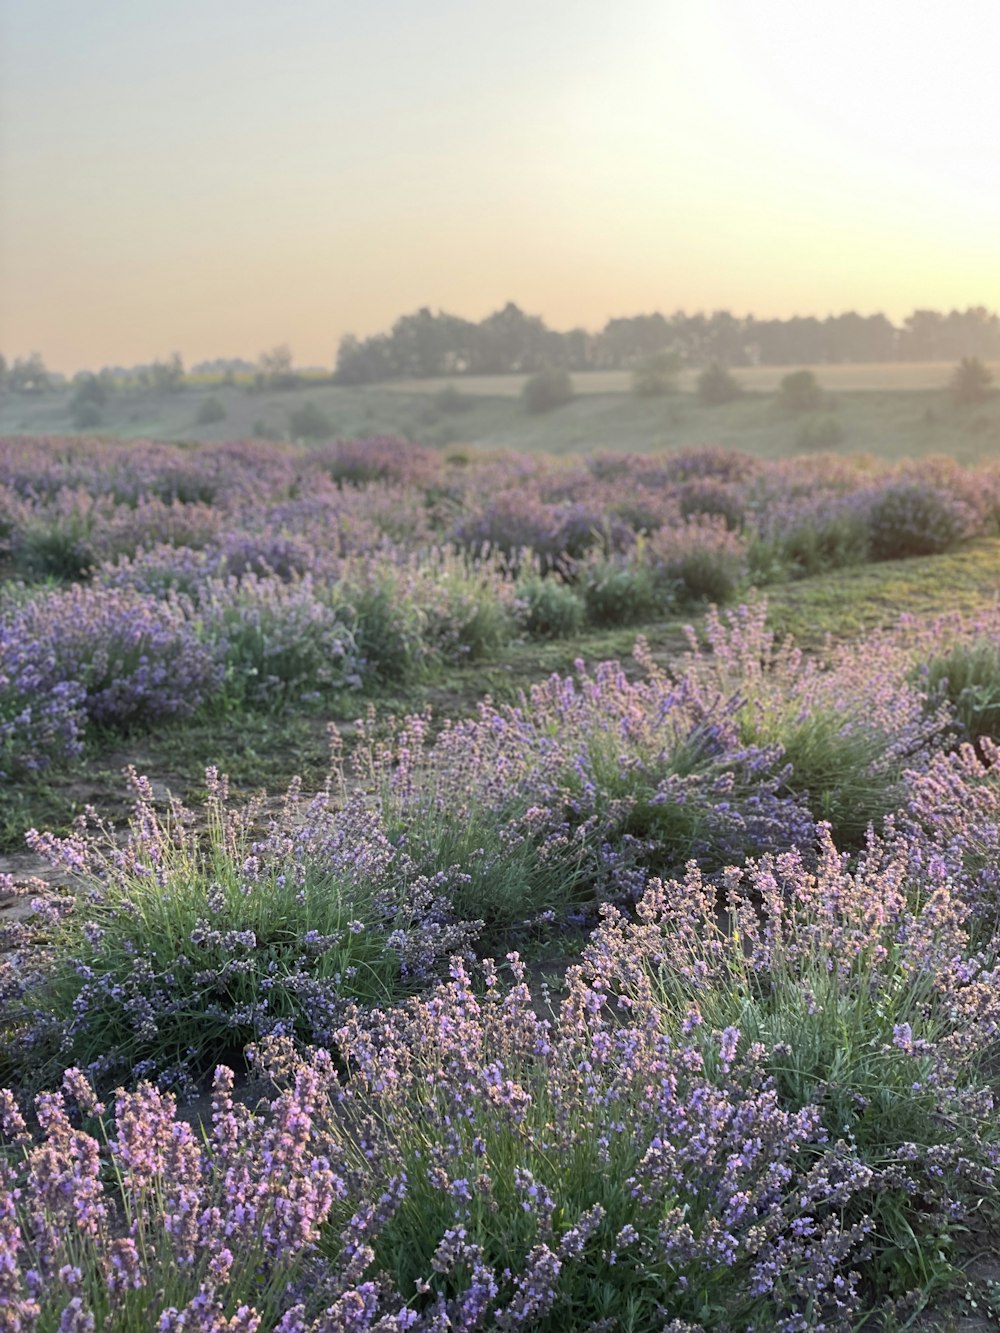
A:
(379, 458)
(971, 382)
(266, 430)
(816, 535)
(95, 1212)
(699, 559)
(915, 518)
(865, 1008)
(57, 547)
(707, 496)
(820, 432)
(552, 805)
(309, 422)
(211, 410)
(162, 570)
(40, 721)
(550, 608)
(185, 947)
(90, 393)
(656, 374)
(583, 1170)
(728, 465)
(622, 591)
(717, 385)
(800, 391)
(512, 523)
(548, 389)
(480, 1167)
(841, 766)
(388, 623)
(275, 640)
(138, 660)
(951, 822)
(848, 726)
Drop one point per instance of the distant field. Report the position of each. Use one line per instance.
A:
(756, 379)
(890, 411)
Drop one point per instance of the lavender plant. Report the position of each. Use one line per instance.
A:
(181, 946)
(967, 676)
(554, 803)
(275, 640)
(109, 657)
(864, 998)
(916, 518)
(848, 726)
(479, 1166)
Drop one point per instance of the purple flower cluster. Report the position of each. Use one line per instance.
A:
(586, 781)
(556, 1161)
(113, 658)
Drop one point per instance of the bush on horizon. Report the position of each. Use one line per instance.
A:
(546, 390)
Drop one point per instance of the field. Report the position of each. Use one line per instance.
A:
(598, 957)
(884, 376)
(897, 410)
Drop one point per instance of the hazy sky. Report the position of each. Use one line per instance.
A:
(217, 176)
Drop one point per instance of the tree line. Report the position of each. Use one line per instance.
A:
(425, 344)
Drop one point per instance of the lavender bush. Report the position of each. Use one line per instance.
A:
(848, 725)
(479, 1166)
(111, 657)
(275, 640)
(916, 518)
(865, 999)
(552, 804)
(179, 947)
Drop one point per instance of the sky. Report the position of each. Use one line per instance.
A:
(216, 177)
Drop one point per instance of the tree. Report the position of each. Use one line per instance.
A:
(274, 369)
(167, 376)
(971, 382)
(4, 372)
(88, 388)
(922, 336)
(509, 340)
(656, 374)
(626, 341)
(716, 385)
(29, 375)
(363, 361)
(550, 388)
(800, 392)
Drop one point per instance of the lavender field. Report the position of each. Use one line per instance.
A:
(661, 995)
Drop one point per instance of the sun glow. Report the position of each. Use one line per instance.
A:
(173, 179)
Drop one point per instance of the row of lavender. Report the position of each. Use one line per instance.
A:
(765, 1101)
(246, 575)
(67, 505)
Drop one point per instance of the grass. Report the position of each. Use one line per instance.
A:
(891, 411)
(850, 602)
